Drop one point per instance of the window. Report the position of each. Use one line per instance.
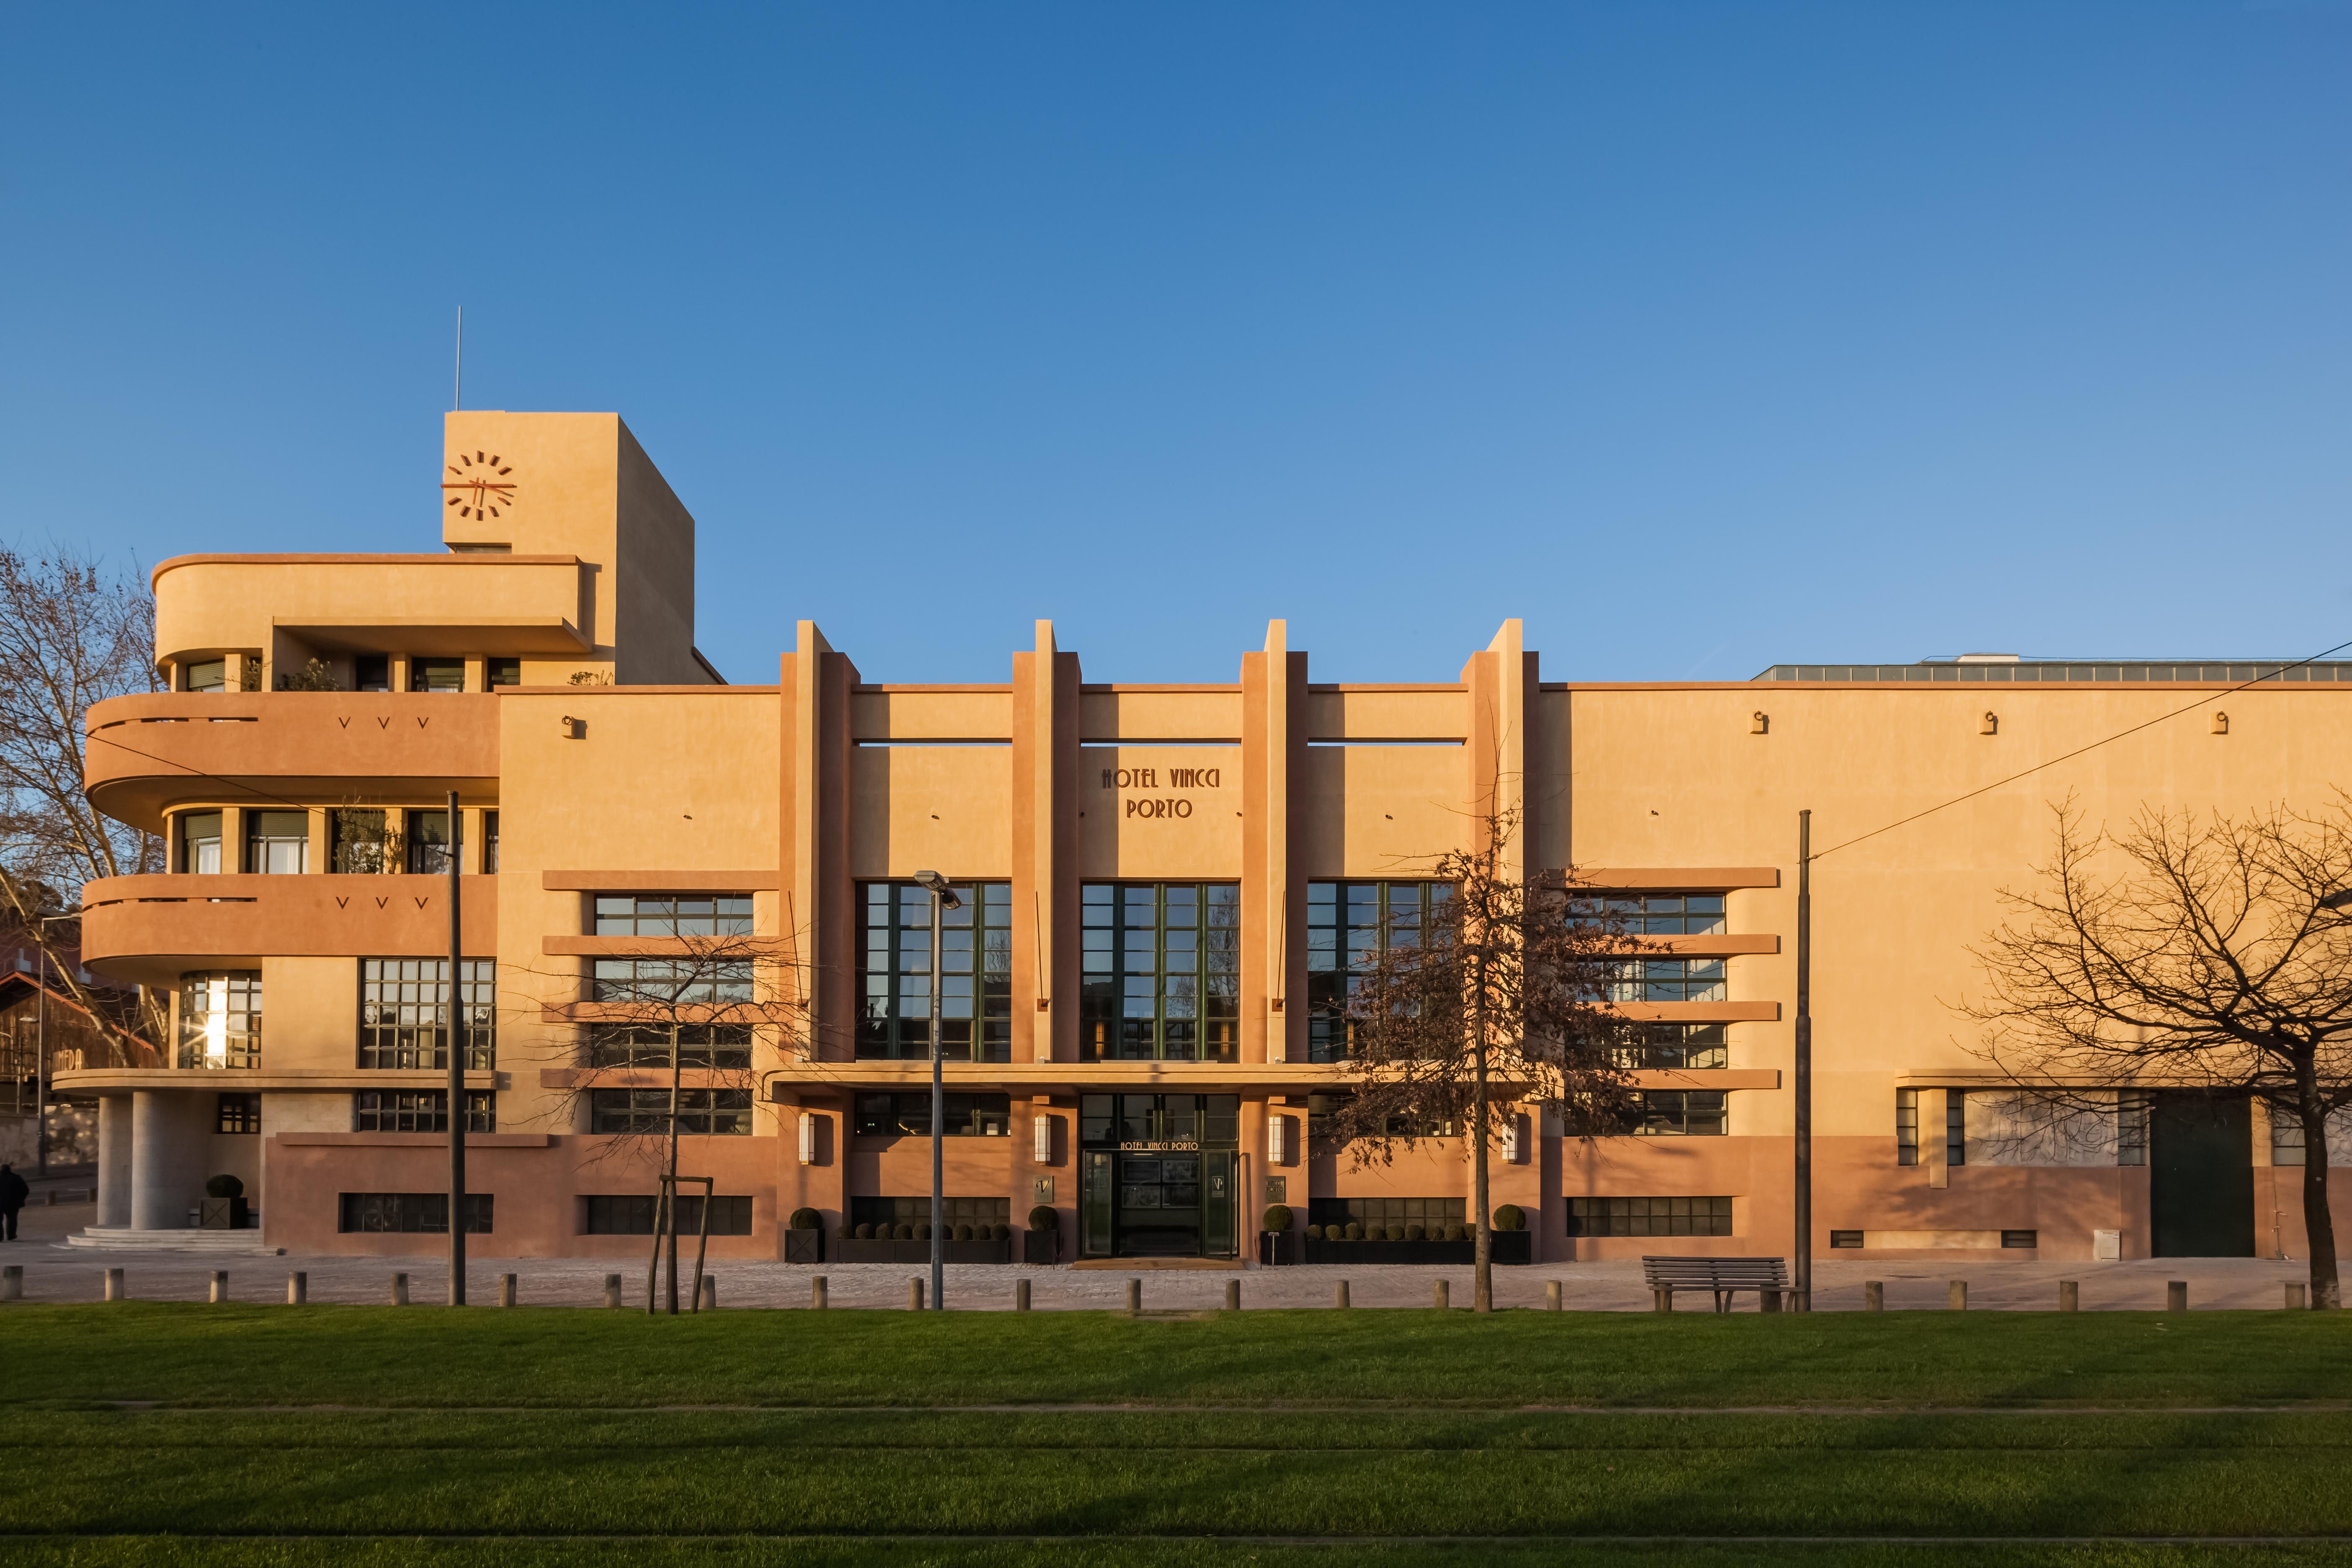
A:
(2131, 1127)
(1956, 1127)
(885, 1215)
(1349, 925)
(975, 980)
(357, 841)
(416, 1213)
(1680, 1110)
(436, 675)
(220, 1019)
(669, 982)
(1161, 972)
(508, 672)
(701, 1112)
(200, 840)
(673, 914)
(404, 1013)
(1649, 1216)
(1675, 1047)
(489, 843)
(420, 1110)
(1159, 1121)
(428, 842)
(909, 1115)
(372, 672)
(1385, 1212)
(208, 675)
(1650, 914)
(2021, 1238)
(633, 1214)
(705, 1046)
(1906, 1126)
(1841, 1240)
(1667, 980)
(236, 1113)
(277, 842)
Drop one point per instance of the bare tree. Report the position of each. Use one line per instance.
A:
(2212, 956)
(71, 634)
(1505, 987)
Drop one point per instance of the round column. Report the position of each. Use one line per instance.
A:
(114, 1161)
(152, 1196)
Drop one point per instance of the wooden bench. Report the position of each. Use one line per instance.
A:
(1726, 1276)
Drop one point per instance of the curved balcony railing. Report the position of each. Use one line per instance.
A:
(153, 930)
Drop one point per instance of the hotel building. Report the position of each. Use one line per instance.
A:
(1161, 887)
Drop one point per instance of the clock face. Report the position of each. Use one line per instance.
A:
(477, 486)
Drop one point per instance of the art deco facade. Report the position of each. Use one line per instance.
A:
(1161, 886)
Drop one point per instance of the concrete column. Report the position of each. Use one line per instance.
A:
(166, 1157)
(114, 1161)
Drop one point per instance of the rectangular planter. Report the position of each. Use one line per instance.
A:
(1041, 1245)
(1278, 1246)
(224, 1214)
(849, 1250)
(804, 1246)
(1508, 1247)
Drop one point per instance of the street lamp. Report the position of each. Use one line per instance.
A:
(944, 897)
(41, 1041)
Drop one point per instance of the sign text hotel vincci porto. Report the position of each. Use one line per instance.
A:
(1148, 779)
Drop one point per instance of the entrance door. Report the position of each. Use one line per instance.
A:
(1220, 1200)
(1160, 1206)
(2200, 1176)
(1097, 1203)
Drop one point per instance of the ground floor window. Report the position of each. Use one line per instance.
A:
(632, 1214)
(420, 1110)
(236, 1113)
(1649, 1216)
(713, 1045)
(1396, 1218)
(1670, 1111)
(1845, 1238)
(412, 1213)
(909, 1219)
(909, 1115)
(700, 1111)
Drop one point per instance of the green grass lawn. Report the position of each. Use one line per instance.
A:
(144, 1433)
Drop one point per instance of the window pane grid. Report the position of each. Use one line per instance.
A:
(671, 981)
(1667, 980)
(1349, 926)
(700, 1111)
(1160, 972)
(1675, 1046)
(220, 1019)
(1678, 1111)
(420, 1110)
(404, 1007)
(1649, 1216)
(975, 982)
(672, 914)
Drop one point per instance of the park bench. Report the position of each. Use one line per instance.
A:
(1768, 1277)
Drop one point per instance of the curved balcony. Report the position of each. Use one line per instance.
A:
(151, 930)
(144, 753)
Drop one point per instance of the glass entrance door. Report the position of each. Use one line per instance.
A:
(1158, 1175)
(1160, 1206)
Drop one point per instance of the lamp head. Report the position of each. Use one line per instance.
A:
(936, 886)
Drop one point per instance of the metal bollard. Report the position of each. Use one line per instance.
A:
(816, 1292)
(399, 1289)
(612, 1289)
(1339, 1294)
(220, 1286)
(1874, 1295)
(1233, 1295)
(1135, 1295)
(114, 1289)
(11, 1283)
(1021, 1295)
(914, 1295)
(2294, 1297)
(506, 1289)
(298, 1288)
(2176, 1295)
(1959, 1296)
(1441, 1295)
(1552, 1295)
(709, 1302)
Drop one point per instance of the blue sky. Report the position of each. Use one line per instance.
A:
(1701, 336)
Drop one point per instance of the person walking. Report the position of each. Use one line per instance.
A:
(12, 1194)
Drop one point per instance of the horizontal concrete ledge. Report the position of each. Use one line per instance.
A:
(660, 881)
(410, 1140)
(249, 1081)
(1673, 879)
(1699, 1012)
(122, 1238)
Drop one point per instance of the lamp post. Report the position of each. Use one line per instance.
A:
(41, 1041)
(944, 897)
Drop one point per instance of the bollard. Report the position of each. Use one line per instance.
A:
(2293, 1293)
(1959, 1296)
(2070, 1296)
(11, 1283)
(709, 1302)
(914, 1295)
(1021, 1295)
(612, 1289)
(1440, 1295)
(399, 1289)
(1135, 1295)
(1339, 1294)
(114, 1290)
(1233, 1295)
(506, 1289)
(2176, 1295)
(220, 1286)
(1552, 1295)
(298, 1288)
(816, 1292)
(1874, 1295)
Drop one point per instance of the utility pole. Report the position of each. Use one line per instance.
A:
(944, 897)
(1801, 1275)
(457, 1071)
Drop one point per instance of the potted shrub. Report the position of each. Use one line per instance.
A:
(804, 1236)
(1512, 1242)
(224, 1207)
(1276, 1244)
(1042, 1242)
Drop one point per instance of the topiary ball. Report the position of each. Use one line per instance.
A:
(1414, 1232)
(963, 1233)
(906, 1231)
(923, 1231)
(803, 1219)
(866, 1232)
(224, 1187)
(1276, 1217)
(1043, 1218)
(1510, 1217)
(1355, 1231)
(1456, 1233)
(1396, 1233)
(1000, 1231)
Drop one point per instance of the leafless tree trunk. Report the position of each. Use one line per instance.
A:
(2175, 954)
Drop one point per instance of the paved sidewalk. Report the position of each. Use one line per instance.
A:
(54, 1272)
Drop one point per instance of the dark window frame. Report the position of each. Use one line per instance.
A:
(1683, 1112)
(420, 1110)
(1350, 922)
(410, 1214)
(907, 1113)
(894, 976)
(632, 1214)
(705, 1113)
(237, 1115)
(1193, 977)
(1607, 1216)
(404, 1022)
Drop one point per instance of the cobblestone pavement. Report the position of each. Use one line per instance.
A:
(55, 1272)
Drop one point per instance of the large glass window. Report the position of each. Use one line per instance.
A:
(436, 675)
(1667, 980)
(356, 840)
(909, 1115)
(208, 675)
(1665, 1111)
(633, 1214)
(1650, 914)
(404, 1013)
(220, 1019)
(1159, 1121)
(200, 842)
(646, 1045)
(975, 981)
(1674, 1047)
(423, 1214)
(1649, 1216)
(489, 843)
(277, 842)
(420, 1110)
(1162, 972)
(429, 848)
(1906, 1126)
(672, 981)
(673, 914)
(701, 1112)
(1349, 925)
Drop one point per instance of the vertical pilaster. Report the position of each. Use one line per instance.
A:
(1044, 863)
(818, 917)
(1273, 886)
(1502, 684)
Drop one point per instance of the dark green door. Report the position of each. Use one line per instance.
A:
(1097, 1200)
(2200, 1176)
(1219, 1201)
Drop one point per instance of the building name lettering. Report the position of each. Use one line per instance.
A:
(1148, 778)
